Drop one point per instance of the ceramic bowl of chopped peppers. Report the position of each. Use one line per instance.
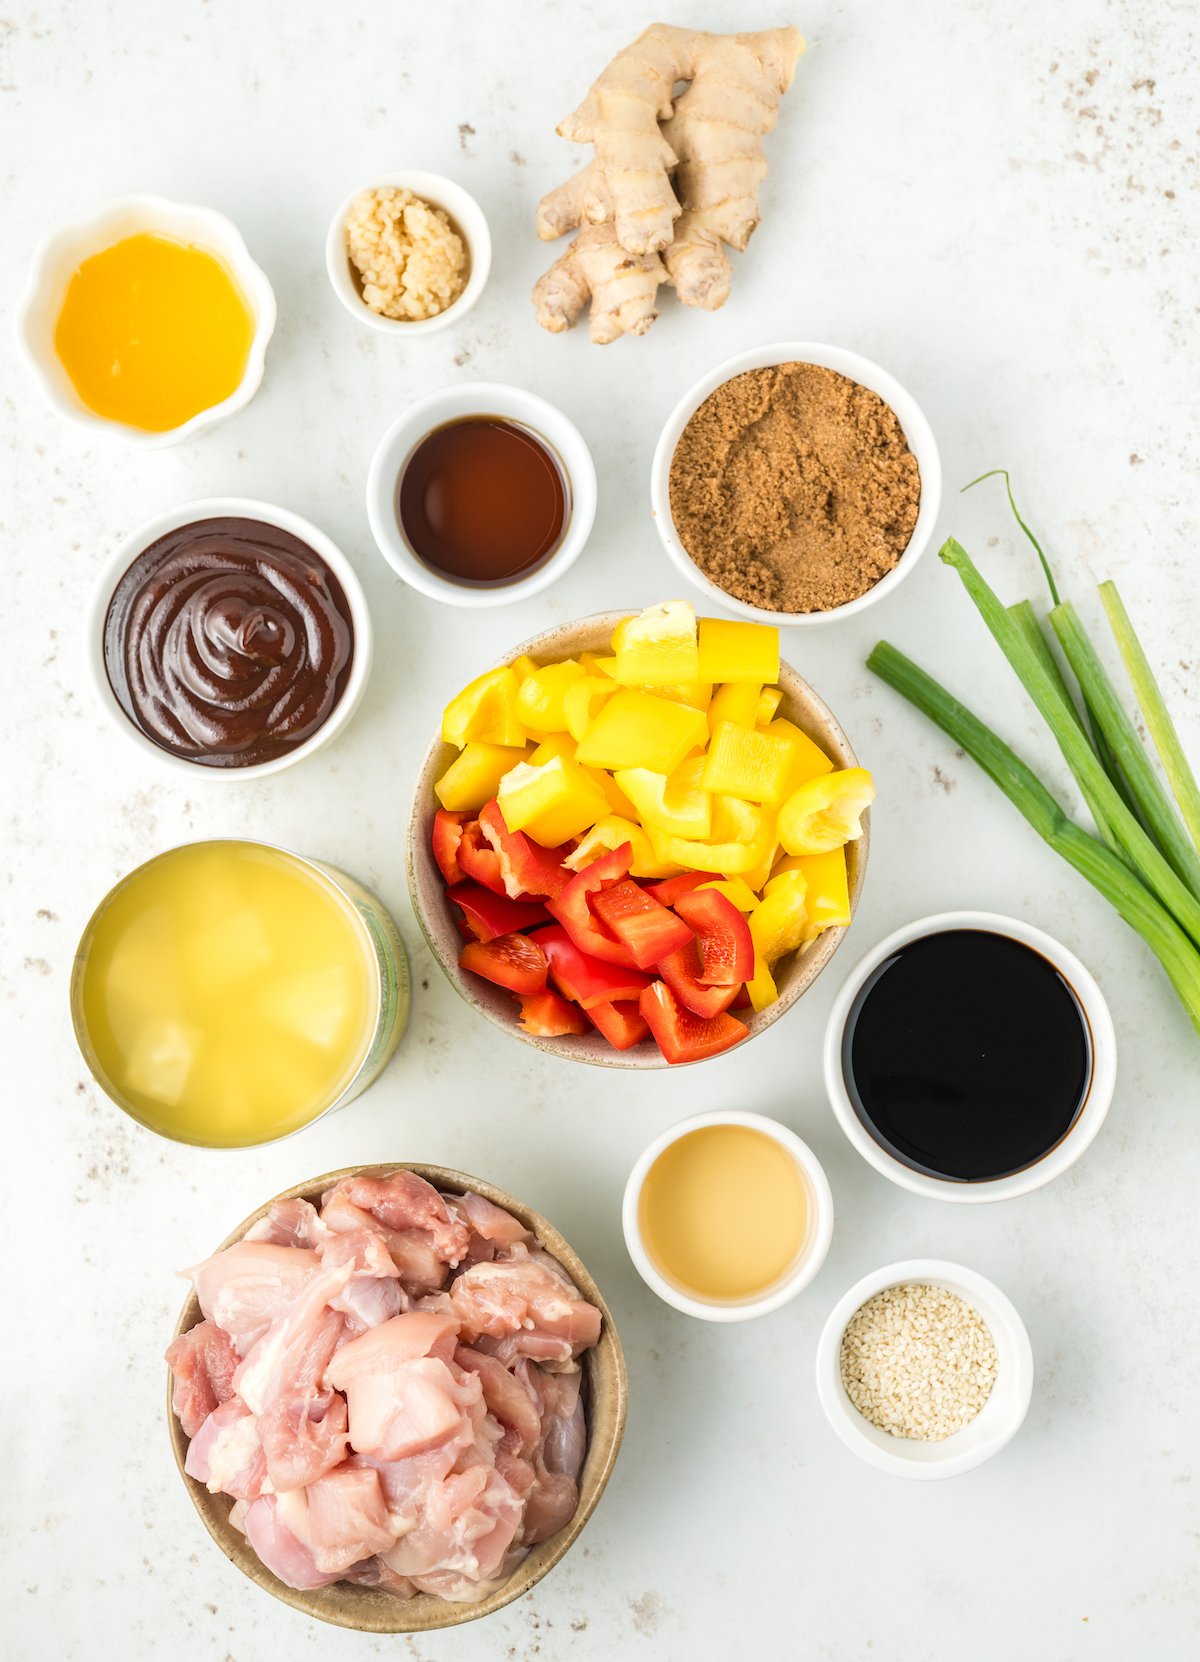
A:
(637, 840)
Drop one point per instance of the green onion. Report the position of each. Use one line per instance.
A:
(1156, 806)
(1157, 717)
(1103, 869)
(1145, 857)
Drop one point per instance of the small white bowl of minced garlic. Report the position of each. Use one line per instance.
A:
(924, 1369)
(408, 253)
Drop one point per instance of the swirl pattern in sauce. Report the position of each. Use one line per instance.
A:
(228, 642)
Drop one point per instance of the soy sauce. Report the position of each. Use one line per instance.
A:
(967, 1055)
(483, 501)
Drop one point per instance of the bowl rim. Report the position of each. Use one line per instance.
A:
(793, 1281)
(1090, 1117)
(136, 541)
(587, 1048)
(917, 431)
(468, 219)
(464, 398)
(218, 234)
(1014, 1373)
(543, 1557)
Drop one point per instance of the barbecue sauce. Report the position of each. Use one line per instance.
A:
(483, 501)
(967, 1055)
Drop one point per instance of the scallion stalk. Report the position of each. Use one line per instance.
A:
(1145, 857)
(1154, 710)
(1157, 808)
(1103, 869)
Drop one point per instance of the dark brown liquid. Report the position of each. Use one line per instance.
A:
(967, 1055)
(482, 501)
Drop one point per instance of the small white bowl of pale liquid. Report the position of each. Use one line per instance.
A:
(727, 1216)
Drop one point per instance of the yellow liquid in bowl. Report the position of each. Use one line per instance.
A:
(225, 993)
(152, 331)
(724, 1212)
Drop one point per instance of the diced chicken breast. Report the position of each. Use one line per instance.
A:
(347, 1518)
(506, 1394)
(226, 1454)
(304, 1435)
(203, 1362)
(289, 1223)
(403, 1397)
(293, 1354)
(374, 1293)
(280, 1549)
(557, 1458)
(373, 1572)
(413, 1252)
(402, 1200)
(525, 1304)
(467, 1525)
(250, 1285)
(490, 1228)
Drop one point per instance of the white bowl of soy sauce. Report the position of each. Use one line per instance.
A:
(970, 1057)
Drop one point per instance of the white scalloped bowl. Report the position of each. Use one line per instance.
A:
(59, 256)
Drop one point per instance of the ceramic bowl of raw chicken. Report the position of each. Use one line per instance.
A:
(396, 1397)
(427, 889)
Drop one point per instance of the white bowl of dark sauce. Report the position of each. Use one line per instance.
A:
(481, 494)
(970, 1057)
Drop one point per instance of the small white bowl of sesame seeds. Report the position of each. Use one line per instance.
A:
(924, 1369)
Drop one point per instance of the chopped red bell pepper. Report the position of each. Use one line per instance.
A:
(573, 911)
(638, 921)
(681, 972)
(447, 834)
(587, 981)
(621, 1024)
(525, 867)
(547, 1016)
(726, 948)
(513, 961)
(478, 860)
(682, 1036)
(669, 890)
(491, 915)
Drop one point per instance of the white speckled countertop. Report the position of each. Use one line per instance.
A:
(998, 202)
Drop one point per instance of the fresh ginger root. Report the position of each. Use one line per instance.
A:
(629, 210)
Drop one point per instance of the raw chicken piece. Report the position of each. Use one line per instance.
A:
(281, 1550)
(402, 1200)
(226, 1454)
(460, 1589)
(558, 1457)
(304, 1435)
(347, 1518)
(373, 1572)
(412, 1251)
(403, 1397)
(289, 1223)
(525, 1304)
(249, 1285)
(507, 1395)
(404, 1482)
(467, 1524)
(374, 1292)
(491, 1228)
(202, 1361)
(237, 1516)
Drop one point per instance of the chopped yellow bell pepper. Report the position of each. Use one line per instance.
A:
(738, 651)
(672, 802)
(696, 693)
(769, 700)
(617, 800)
(594, 665)
(582, 701)
(738, 821)
(473, 776)
(826, 812)
(735, 702)
(658, 647)
(552, 802)
(761, 989)
(485, 711)
(736, 890)
(744, 762)
(810, 760)
(610, 833)
(827, 899)
(778, 922)
(638, 730)
(523, 666)
(747, 836)
(551, 745)
(757, 876)
(540, 696)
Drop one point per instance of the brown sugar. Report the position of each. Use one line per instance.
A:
(793, 488)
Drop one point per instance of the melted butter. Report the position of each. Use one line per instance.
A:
(724, 1212)
(152, 331)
